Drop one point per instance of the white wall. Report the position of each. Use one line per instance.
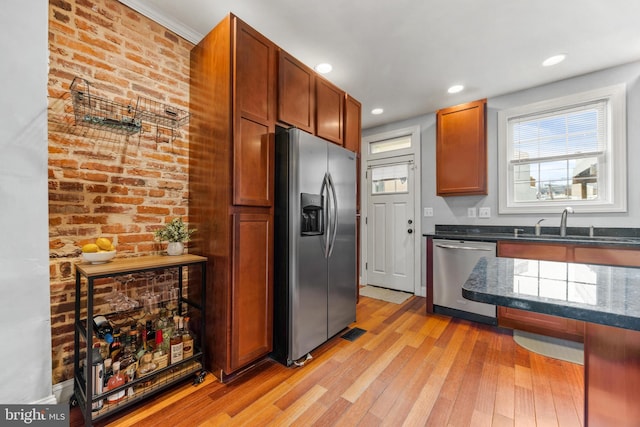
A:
(453, 210)
(25, 330)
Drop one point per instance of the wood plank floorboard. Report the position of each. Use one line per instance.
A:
(409, 369)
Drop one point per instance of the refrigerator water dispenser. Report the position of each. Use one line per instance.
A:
(311, 218)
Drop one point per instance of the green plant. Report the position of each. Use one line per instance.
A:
(174, 231)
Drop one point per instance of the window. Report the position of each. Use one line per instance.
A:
(566, 151)
(389, 179)
(393, 144)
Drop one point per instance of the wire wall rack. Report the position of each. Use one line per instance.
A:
(125, 119)
(100, 113)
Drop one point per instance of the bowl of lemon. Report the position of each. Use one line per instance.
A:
(99, 252)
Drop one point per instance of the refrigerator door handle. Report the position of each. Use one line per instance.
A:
(324, 192)
(334, 213)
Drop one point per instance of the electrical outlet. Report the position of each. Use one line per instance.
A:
(484, 213)
(428, 211)
(471, 212)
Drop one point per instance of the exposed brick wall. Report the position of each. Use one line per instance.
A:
(101, 183)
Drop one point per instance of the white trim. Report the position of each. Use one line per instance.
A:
(178, 27)
(49, 400)
(616, 199)
(415, 150)
(63, 391)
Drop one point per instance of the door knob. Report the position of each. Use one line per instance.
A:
(410, 222)
(410, 231)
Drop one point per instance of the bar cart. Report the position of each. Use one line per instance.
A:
(135, 288)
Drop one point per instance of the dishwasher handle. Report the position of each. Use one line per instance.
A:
(466, 248)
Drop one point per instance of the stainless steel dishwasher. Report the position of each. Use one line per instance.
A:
(453, 261)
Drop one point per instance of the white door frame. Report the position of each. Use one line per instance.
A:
(415, 149)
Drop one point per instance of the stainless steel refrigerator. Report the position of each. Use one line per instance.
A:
(315, 243)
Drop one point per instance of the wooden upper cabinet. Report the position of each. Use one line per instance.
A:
(253, 164)
(296, 93)
(461, 150)
(352, 124)
(254, 119)
(329, 111)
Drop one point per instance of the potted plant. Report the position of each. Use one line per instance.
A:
(176, 233)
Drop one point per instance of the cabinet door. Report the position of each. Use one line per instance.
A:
(296, 93)
(329, 111)
(352, 124)
(461, 150)
(252, 288)
(627, 257)
(544, 251)
(254, 117)
(255, 75)
(543, 324)
(253, 163)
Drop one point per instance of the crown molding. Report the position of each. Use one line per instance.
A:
(174, 25)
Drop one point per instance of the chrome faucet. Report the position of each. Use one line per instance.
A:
(563, 221)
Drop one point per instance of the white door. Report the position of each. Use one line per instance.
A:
(390, 224)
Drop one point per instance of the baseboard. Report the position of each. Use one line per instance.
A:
(63, 391)
(49, 400)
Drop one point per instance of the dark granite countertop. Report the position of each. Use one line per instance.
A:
(602, 236)
(593, 293)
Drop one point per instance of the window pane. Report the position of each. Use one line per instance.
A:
(572, 179)
(390, 144)
(574, 130)
(389, 179)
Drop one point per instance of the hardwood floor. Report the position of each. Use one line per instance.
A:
(407, 369)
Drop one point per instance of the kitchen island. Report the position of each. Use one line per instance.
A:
(607, 298)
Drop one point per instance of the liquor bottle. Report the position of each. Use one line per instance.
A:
(134, 336)
(129, 360)
(175, 343)
(151, 334)
(160, 357)
(187, 339)
(108, 372)
(116, 380)
(115, 348)
(102, 328)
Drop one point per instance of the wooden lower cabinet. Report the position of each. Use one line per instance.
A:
(543, 324)
(251, 301)
(612, 376)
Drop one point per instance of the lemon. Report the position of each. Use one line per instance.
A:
(103, 243)
(90, 247)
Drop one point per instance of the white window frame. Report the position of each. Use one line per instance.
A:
(614, 175)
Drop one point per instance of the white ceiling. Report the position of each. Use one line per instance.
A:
(402, 55)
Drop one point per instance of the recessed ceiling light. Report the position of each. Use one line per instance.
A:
(455, 89)
(553, 60)
(323, 68)
(377, 111)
